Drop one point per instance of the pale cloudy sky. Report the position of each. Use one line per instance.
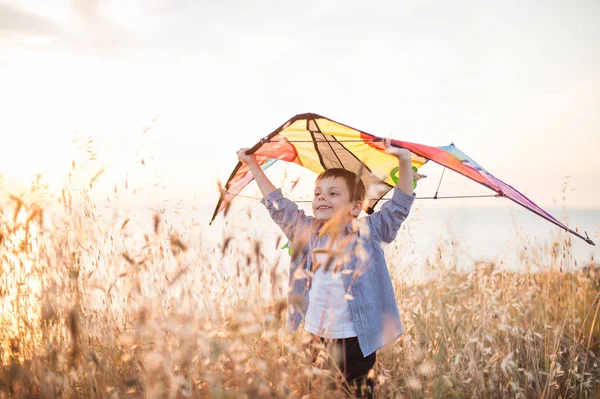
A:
(514, 84)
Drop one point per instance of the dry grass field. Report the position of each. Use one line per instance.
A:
(94, 306)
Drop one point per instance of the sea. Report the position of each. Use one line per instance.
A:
(509, 237)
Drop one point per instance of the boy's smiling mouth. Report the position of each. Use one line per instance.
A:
(323, 207)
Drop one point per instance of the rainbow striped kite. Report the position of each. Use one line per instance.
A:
(318, 143)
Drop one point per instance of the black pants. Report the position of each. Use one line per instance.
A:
(348, 358)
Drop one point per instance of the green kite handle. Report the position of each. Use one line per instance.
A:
(394, 176)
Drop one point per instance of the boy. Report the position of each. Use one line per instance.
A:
(338, 275)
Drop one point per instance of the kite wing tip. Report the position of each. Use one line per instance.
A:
(587, 239)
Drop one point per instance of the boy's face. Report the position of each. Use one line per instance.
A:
(332, 196)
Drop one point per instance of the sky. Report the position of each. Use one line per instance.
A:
(182, 85)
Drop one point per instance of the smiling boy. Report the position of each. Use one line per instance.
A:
(338, 269)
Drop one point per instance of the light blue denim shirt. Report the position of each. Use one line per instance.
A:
(364, 271)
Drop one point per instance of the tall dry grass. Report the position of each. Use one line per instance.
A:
(96, 305)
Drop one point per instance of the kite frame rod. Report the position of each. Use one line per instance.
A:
(439, 184)
(586, 239)
(423, 198)
(267, 140)
(386, 199)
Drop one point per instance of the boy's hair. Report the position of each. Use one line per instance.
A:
(355, 185)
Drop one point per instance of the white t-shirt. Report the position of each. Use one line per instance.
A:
(328, 314)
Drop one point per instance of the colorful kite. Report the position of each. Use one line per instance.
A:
(318, 143)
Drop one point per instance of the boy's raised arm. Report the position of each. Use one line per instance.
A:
(384, 224)
(264, 184)
(405, 172)
(284, 212)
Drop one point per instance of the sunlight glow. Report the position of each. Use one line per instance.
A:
(22, 278)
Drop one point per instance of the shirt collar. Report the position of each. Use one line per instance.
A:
(350, 228)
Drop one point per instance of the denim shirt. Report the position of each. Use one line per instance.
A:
(364, 271)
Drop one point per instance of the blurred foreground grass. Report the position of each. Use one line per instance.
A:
(97, 306)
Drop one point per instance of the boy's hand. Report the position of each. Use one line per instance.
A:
(264, 184)
(406, 174)
(401, 153)
(248, 159)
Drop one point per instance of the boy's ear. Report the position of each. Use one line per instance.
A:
(356, 208)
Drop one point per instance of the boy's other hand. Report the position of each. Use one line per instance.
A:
(248, 159)
(401, 153)
(406, 173)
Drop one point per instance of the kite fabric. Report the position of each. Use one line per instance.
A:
(318, 143)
